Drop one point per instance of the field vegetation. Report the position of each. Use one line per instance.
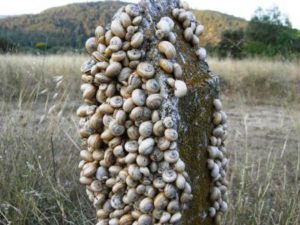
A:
(39, 144)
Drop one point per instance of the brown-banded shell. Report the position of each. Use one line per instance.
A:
(168, 49)
(158, 128)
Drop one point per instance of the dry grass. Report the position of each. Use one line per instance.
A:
(39, 144)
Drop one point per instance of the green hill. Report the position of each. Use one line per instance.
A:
(70, 25)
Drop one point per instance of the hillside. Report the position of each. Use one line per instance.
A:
(70, 25)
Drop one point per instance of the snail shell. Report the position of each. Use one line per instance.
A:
(168, 122)
(171, 134)
(146, 146)
(199, 29)
(117, 29)
(124, 74)
(179, 166)
(86, 156)
(89, 169)
(99, 31)
(145, 70)
(145, 129)
(137, 40)
(152, 86)
(188, 34)
(146, 205)
(113, 69)
(137, 114)
(116, 202)
(154, 101)
(217, 104)
(137, 20)
(177, 71)
(163, 143)
(133, 133)
(173, 206)
(85, 180)
(169, 176)
(171, 156)
(102, 173)
(138, 97)
(161, 201)
(201, 53)
(168, 49)
(166, 65)
(176, 217)
(144, 220)
(132, 10)
(165, 217)
(180, 88)
(212, 212)
(158, 128)
(134, 172)
(125, 19)
(131, 146)
(118, 56)
(170, 191)
(116, 101)
(180, 181)
(142, 161)
(94, 141)
(157, 155)
(115, 44)
(134, 54)
(91, 45)
(159, 183)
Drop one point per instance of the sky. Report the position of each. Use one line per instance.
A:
(242, 8)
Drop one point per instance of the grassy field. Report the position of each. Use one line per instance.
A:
(39, 144)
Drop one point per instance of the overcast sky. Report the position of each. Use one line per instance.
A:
(242, 8)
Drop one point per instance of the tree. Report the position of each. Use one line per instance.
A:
(270, 33)
(6, 45)
(232, 43)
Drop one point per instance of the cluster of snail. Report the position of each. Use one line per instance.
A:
(130, 163)
(217, 162)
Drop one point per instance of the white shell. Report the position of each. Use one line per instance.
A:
(169, 176)
(180, 88)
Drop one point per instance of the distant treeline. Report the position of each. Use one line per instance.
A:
(268, 33)
(66, 28)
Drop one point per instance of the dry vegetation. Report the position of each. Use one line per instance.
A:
(39, 144)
